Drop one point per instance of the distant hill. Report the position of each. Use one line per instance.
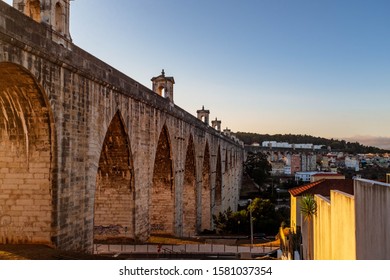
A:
(335, 144)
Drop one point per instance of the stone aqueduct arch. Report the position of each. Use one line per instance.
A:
(27, 146)
(114, 192)
(83, 147)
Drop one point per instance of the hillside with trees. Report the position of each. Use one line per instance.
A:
(336, 145)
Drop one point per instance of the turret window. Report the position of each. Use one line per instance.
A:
(59, 18)
(33, 10)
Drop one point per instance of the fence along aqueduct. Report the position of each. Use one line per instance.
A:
(86, 152)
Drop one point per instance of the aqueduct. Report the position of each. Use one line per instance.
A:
(84, 148)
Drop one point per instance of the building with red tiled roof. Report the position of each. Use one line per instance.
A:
(321, 187)
(351, 221)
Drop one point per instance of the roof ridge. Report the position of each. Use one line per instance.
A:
(297, 190)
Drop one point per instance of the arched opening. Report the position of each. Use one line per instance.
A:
(218, 184)
(161, 91)
(206, 190)
(114, 195)
(26, 152)
(189, 191)
(59, 18)
(162, 208)
(33, 10)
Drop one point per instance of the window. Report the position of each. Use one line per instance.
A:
(59, 18)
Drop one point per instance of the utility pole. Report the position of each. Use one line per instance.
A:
(251, 221)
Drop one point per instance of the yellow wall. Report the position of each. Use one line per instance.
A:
(322, 229)
(343, 226)
(350, 227)
(334, 227)
(295, 213)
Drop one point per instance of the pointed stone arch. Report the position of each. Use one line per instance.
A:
(162, 206)
(114, 196)
(27, 149)
(218, 184)
(206, 190)
(189, 191)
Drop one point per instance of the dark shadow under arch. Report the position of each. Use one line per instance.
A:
(206, 190)
(114, 196)
(218, 184)
(189, 191)
(162, 206)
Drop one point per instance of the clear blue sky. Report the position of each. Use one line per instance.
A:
(319, 67)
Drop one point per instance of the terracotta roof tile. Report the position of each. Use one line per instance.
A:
(323, 187)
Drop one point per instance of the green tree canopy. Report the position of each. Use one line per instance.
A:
(335, 144)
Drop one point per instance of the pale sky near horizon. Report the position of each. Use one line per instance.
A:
(318, 67)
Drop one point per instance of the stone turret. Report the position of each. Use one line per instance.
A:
(227, 132)
(203, 115)
(163, 86)
(216, 124)
(54, 13)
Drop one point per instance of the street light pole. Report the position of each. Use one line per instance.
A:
(251, 221)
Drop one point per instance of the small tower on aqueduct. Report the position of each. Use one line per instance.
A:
(203, 115)
(216, 124)
(54, 13)
(163, 86)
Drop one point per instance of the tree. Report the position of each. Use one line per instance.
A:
(257, 167)
(352, 147)
(308, 211)
(265, 219)
(229, 222)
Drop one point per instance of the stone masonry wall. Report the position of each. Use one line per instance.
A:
(60, 196)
